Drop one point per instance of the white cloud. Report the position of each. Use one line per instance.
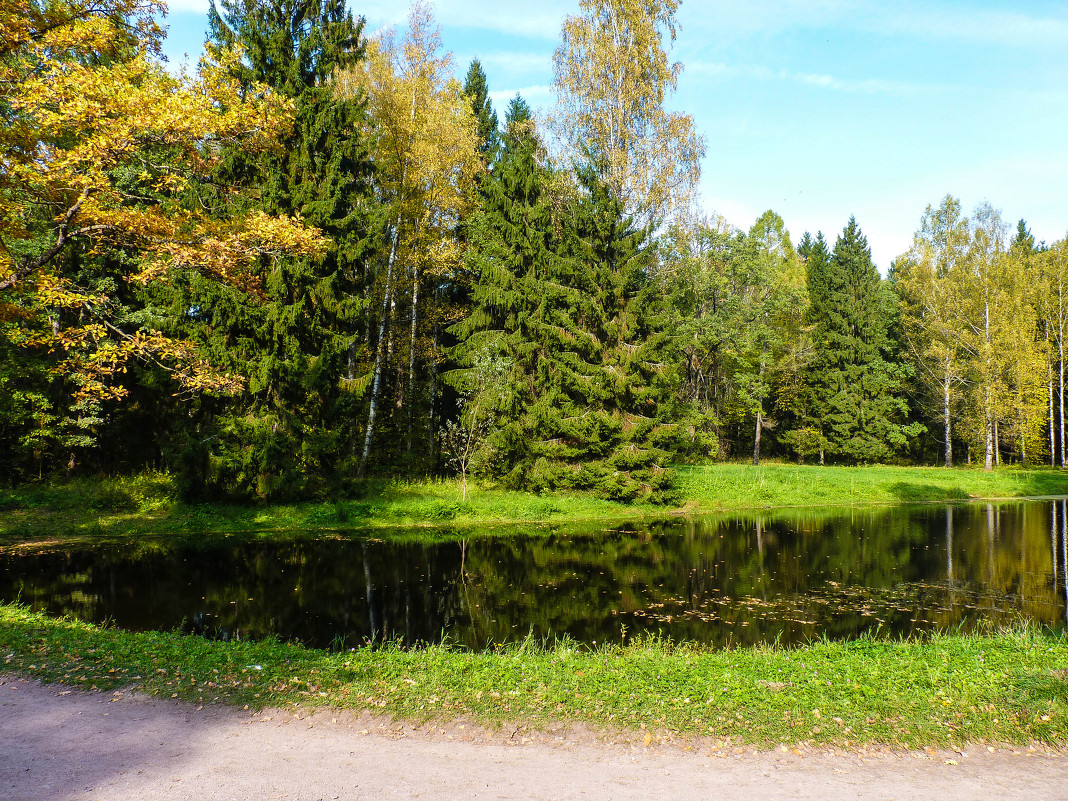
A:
(540, 22)
(869, 86)
(534, 95)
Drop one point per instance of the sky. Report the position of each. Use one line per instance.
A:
(817, 109)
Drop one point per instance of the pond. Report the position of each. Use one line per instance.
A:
(785, 576)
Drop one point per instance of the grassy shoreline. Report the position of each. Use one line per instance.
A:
(1002, 687)
(89, 510)
(1006, 687)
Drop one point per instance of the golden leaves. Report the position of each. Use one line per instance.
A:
(105, 146)
(612, 75)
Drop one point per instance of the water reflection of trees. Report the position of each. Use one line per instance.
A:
(789, 576)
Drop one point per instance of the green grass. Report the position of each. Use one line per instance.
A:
(95, 510)
(726, 487)
(1009, 687)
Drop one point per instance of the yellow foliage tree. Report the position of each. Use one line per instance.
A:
(612, 76)
(102, 149)
(427, 154)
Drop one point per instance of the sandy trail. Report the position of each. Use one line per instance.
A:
(61, 745)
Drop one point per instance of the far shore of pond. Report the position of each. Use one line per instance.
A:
(147, 504)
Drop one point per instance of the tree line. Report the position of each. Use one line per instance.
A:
(323, 257)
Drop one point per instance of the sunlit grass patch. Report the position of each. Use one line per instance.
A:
(726, 487)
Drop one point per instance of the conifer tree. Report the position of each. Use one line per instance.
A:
(299, 341)
(511, 256)
(1024, 240)
(477, 90)
(565, 296)
(812, 434)
(856, 383)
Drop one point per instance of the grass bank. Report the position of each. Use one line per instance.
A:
(98, 509)
(1009, 687)
(85, 510)
(726, 487)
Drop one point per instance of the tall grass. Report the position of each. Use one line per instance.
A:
(1001, 687)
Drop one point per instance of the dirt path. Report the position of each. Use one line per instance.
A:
(61, 745)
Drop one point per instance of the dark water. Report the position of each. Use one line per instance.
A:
(789, 577)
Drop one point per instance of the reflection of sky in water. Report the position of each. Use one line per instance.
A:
(786, 576)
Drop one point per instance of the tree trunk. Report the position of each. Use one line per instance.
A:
(411, 355)
(756, 437)
(997, 444)
(1023, 440)
(380, 352)
(1052, 433)
(988, 405)
(433, 404)
(988, 460)
(759, 422)
(1060, 350)
(946, 420)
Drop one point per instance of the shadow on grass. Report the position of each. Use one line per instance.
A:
(913, 492)
(1032, 689)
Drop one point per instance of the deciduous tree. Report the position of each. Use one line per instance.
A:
(612, 76)
(100, 148)
(427, 154)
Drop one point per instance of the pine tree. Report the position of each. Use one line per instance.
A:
(298, 342)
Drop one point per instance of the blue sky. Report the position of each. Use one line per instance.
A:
(820, 109)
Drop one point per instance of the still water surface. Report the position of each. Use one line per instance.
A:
(787, 576)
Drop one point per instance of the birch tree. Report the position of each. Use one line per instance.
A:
(985, 303)
(1052, 274)
(427, 153)
(612, 76)
(931, 282)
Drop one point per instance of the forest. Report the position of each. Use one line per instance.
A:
(322, 256)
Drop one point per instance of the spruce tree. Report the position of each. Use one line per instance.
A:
(856, 384)
(296, 338)
(511, 255)
(563, 296)
(477, 90)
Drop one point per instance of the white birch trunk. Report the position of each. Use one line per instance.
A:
(759, 422)
(376, 382)
(946, 419)
(1060, 351)
(411, 354)
(988, 404)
